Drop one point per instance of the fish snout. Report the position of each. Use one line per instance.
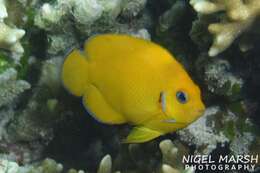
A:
(201, 108)
(201, 111)
(196, 113)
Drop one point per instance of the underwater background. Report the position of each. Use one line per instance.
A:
(44, 129)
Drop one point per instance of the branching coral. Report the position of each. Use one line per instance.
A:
(84, 17)
(105, 165)
(172, 158)
(50, 166)
(9, 36)
(84, 12)
(240, 16)
(46, 166)
(3, 11)
(8, 167)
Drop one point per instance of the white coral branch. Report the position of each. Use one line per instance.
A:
(9, 37)
(3, 11)
(105, 165)
(240, 14)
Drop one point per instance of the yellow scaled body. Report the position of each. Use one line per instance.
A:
(123, 79)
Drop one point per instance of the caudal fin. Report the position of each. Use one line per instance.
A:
(75, 73)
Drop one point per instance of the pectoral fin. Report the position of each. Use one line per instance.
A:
(142, 134)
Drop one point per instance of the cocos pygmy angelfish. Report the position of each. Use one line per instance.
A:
(123, 79)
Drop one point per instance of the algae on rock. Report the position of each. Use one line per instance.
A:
(221, 81)
(203, 132)
(35, 121)
(10, 86)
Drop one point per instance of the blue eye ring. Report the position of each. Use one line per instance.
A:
(182, 97)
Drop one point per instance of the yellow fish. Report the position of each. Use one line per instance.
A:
(123, 79)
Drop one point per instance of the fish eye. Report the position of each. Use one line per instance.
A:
(182, 97)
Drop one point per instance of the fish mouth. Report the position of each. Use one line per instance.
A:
(201, 111)
(174, 121)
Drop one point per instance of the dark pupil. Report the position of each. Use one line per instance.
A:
(181, 96)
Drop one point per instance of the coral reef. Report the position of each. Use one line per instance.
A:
(9, 36)
(29, 124)
(40, 120)
(50, 166)
(239, 17)
(172, 157)
(219, 127)
(87, 15)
